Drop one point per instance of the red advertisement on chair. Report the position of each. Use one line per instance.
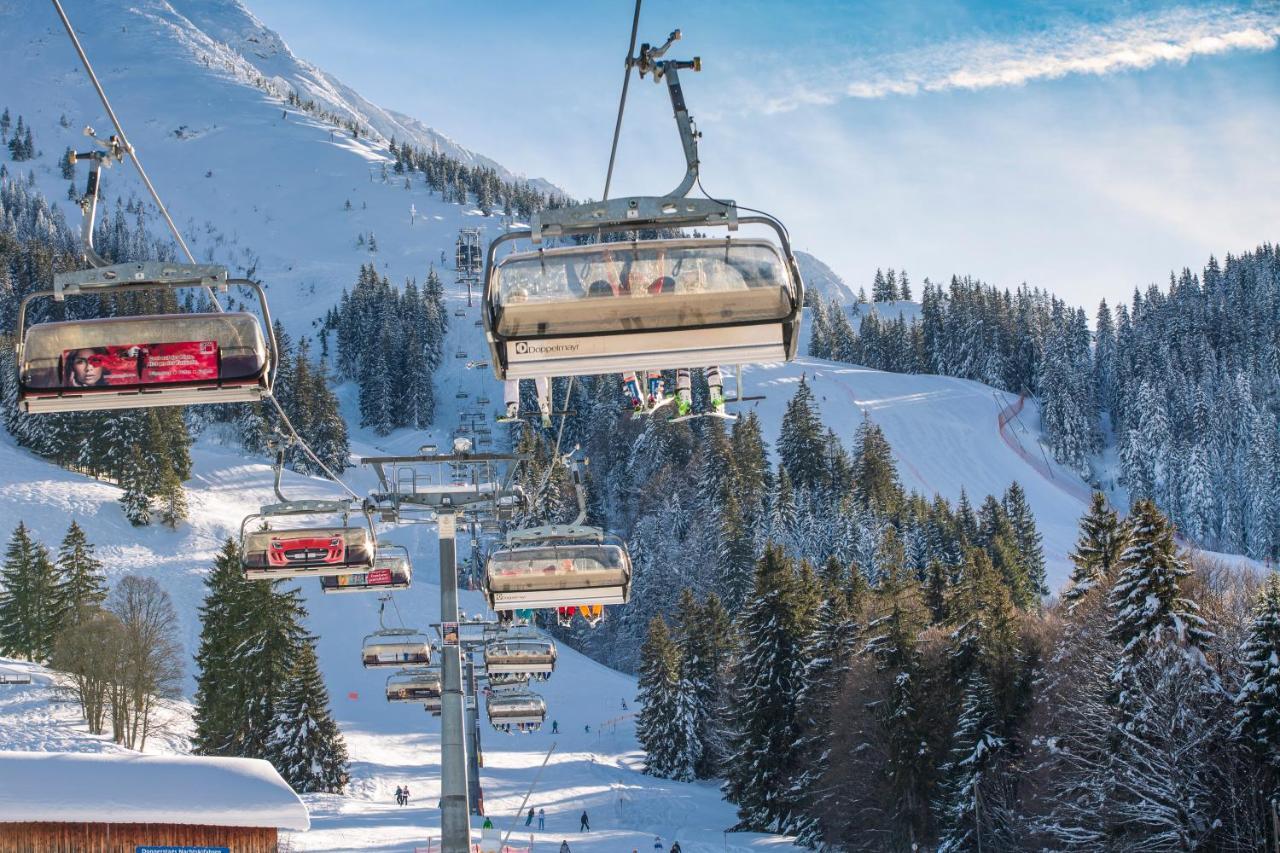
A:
(379, 576)
(141, 364)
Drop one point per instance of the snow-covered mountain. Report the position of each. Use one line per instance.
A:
(257, 184)
(823, 280)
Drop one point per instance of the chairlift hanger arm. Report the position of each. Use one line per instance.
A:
(114, 151)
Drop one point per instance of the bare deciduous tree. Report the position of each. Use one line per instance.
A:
(87, 650)
(150, 664)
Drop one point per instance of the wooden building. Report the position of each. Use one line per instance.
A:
(125, 802)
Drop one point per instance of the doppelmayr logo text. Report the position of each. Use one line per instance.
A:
(526, 348)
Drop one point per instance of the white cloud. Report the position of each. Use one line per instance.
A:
(1132, 44)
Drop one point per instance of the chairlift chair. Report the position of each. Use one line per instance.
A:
(522, 652)
(414, 685)
(398, 647)
(143, 361)
(270, 553)
(655, 303)
(558, 567)
(520, 710)
(392, 570)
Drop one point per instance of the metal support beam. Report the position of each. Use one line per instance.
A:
(473, 730)
(455, 822)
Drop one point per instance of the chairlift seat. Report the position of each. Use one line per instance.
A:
(396, 647)
(530, 655)
(520, 710)
(154, 360)
(655, 304)
(319, 551)
(417, 686)
(563, 573)
(390, 571)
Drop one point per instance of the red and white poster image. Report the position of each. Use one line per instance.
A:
(140, 364)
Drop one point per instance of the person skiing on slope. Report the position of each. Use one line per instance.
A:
(406, 796)
(564, 846)
(528, 821)
(542, 818)
(555, 727)
(657, 844)
(488, 824)
(675, 847)
(399, 796)
(586, 824)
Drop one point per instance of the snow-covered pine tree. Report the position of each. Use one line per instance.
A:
(706, 647)
(659, 729)
(801, 440)
(1103, 538)
(81, 583)
(766, 681)
(905, 767)
(1027, 540)
(967, 821)
(1258, 701)
(1149, 604)
(831, 646)
(306, 745)
(30, 607)
(875, 476)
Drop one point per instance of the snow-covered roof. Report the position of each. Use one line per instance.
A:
(54, 787)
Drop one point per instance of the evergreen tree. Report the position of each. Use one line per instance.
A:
(830, 648)
(966, 823)
(1026, 539)
(1101, 542)
(801, 440)
(658, 728)
(81, 583)
(249, 644)
(30, 607)
(306, 745)
(768, 677)
(1258, 701)
(875, 476)
(1148, 601)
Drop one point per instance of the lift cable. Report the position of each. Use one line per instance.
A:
(124, 141)
(622, 102)
(293, 434)
(128, 148)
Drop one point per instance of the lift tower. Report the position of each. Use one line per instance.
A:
(406, 495)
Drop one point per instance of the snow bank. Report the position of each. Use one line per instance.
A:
(115, 788)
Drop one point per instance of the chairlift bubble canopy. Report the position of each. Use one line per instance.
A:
(521, 710)
(143, 361)
(391, 570)
(528, 655)
(652, 304)
(560, 571)
(397, 647)
(414, 686)
(301, 551)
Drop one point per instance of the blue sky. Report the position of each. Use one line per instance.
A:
(1084, 147)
